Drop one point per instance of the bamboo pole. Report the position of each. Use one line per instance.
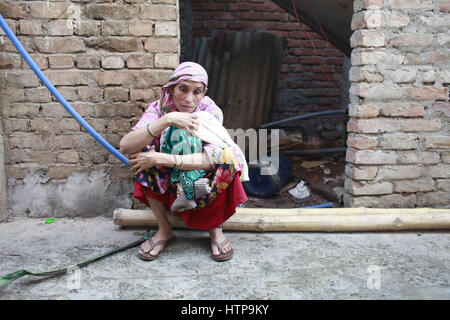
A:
(335, 211)
(325, 220)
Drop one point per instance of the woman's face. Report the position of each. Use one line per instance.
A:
(187, 95)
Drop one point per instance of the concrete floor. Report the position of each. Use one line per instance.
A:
(292, 266)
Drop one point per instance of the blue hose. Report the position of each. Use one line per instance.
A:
(323, 205)
(57, 95)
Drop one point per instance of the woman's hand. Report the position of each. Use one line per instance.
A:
(183, 120)
(141, 161)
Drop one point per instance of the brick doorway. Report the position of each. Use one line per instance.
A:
(307, 83)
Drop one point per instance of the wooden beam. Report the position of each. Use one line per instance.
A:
(324, 220)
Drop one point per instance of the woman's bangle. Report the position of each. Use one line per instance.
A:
(175, 157)
(148, 129)
(182, 163)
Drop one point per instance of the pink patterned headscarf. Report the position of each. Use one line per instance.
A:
(186, 71)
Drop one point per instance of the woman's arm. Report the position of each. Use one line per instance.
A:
(135, 140)
(143, 160)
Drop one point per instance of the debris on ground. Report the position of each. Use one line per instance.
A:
(323, 175)
(300, 191)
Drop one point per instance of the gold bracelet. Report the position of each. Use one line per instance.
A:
(148, 129)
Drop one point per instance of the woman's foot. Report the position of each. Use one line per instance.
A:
(150, 249)
(221, 248)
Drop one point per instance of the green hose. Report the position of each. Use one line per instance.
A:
(10, 277)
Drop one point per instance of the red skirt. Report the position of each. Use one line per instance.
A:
(212, 216)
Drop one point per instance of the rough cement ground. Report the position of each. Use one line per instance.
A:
(387, 265)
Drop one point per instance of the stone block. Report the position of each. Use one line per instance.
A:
(54, 10)
(141, 28)
(377, 91)
(163, 44)
(368, 19)
(166, 29)
(386, 201)
(396, 20)
(39, 94)
(411, 40)
(68, 156)
(438, 171)
(19, 79)
(166, 60)
(412, 186)
(364, 189)
(363, 111)
(399, 172)
(60, 62)
(359, 5)
(59, 45)
(401, 110)
(113, 62)
(420, 125)
(159, 12)
(437, 142)
(443, 184)
(140, 61)
(362, 142)
(91, 94)
(116, 44)
(427, 93)
(361, 172)
(371, 157)
(59, 28)
(115, 28)
(367, 38)
(47, 125)
(445, 156)
(398, 141)
(419, 157)
(142, 95)
(430, 199)
(88, 62)
(31, 28)
(87, 28)
(378, 125)
(13, 10)
(410, 4)
(116, 94)
(111, 12)
(67, 78)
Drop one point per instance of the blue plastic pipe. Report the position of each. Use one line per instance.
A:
(323, 205)
(58, 96)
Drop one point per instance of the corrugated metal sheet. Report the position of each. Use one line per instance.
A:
(243, 69)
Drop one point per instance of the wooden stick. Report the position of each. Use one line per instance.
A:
(362, 220)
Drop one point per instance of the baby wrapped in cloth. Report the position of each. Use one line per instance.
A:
(192, 184)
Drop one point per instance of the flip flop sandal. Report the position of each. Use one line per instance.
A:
(222, 256)
(145, 254)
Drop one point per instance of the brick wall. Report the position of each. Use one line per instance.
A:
(108, 59)
(399, 141)
(303, 87)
